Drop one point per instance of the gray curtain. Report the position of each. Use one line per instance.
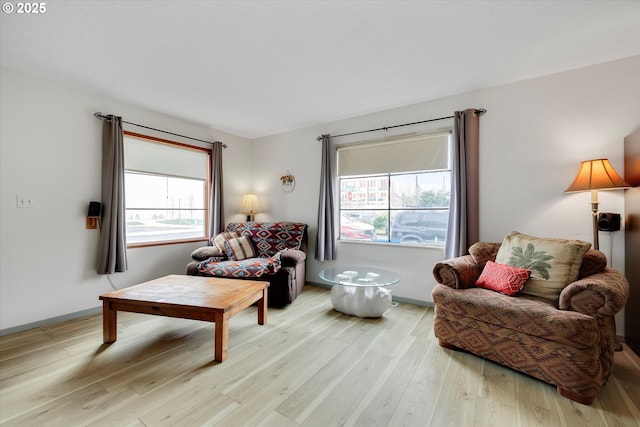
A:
(326, 243)
(463, 228)
(216, 206)
(112, 250)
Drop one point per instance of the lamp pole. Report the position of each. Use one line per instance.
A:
(594, 214)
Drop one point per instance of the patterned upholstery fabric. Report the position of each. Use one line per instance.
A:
(522, 313)
(483, 252)
(570, 345)
(593, 262)
(602, 294)
(579, 370)
(270, 238)
(458, 273)
(282, 261)
(251, 267)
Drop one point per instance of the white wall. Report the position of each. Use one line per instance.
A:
(532, 139)
(51, 150)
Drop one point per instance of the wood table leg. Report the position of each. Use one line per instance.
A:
(222, 336)
(109, 322)
(262, 308)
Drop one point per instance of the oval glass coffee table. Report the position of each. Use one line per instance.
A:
(360, 291)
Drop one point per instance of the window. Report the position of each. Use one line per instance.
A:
(165, 190)
(396, 191)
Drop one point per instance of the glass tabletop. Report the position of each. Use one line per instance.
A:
(359, 276)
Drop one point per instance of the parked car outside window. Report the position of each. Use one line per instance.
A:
(428, 226)
(354, 230)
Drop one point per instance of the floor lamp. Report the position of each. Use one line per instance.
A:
(594, 175)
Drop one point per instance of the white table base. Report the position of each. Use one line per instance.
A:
(361, 301)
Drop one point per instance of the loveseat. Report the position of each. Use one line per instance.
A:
(269, 251)
(567, 341)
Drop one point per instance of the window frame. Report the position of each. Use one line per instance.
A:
(389, 209)
(207, 189)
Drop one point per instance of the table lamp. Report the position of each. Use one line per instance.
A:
(250, 205)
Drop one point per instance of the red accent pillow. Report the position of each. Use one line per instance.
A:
(503, 278)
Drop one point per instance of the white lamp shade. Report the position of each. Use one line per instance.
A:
(250, 204)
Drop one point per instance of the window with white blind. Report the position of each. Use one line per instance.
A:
(395, 191)
(165, 190)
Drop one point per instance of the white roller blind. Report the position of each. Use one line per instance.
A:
(164, 159)
(416, 153)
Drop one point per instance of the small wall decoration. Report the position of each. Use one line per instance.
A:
(288, 182)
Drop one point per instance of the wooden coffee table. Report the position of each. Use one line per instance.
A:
(189, 297)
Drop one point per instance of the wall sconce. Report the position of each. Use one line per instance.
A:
(250, 205)
(594, 175)
(288, 182)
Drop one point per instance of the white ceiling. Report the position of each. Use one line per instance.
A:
(255, 68)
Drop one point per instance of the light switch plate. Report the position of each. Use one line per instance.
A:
(25, 202)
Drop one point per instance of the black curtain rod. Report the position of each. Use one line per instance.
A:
(100, 116)
(479, 111)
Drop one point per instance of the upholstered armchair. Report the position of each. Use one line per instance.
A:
(269, 251)
(568, 342)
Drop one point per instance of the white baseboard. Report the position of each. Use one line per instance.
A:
(50, 321)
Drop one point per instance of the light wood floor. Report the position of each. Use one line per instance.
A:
(309, 366)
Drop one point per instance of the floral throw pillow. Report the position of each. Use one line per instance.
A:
(554, 263)
(502, 278)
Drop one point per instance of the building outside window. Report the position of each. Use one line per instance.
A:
(396, 191)
(166, 187)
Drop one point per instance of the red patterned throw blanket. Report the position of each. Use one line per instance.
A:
(251, 267)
